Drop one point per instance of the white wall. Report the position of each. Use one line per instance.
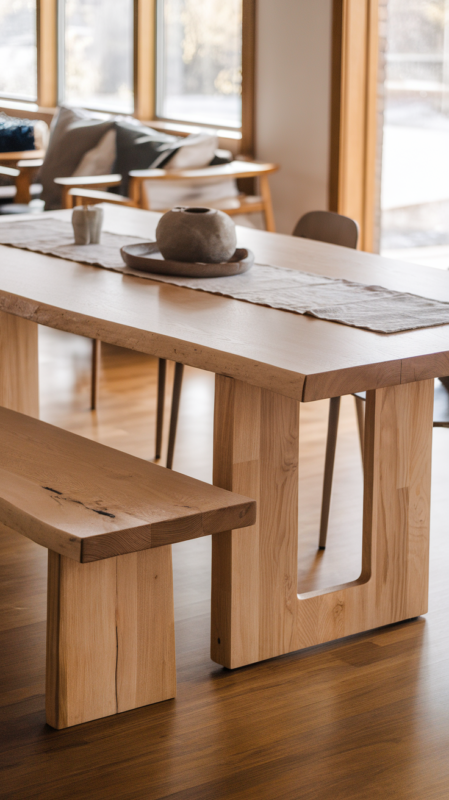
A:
(293, 69)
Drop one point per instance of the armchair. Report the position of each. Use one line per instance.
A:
(242, 204)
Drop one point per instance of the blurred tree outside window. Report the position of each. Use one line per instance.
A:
(415, 156)
(199, 61)
(18, 52)
(97, 55)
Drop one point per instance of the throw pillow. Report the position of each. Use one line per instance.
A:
(192, 152)
(99, 160)
(73, 132)
(137, 148)
(15, 134)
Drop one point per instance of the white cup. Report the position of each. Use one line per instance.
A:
(80, 224)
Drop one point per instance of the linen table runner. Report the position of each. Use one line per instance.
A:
(374, 308)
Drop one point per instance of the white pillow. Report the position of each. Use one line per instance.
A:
(196, 151)
(41, 134)
(163, 195)
(100, 160)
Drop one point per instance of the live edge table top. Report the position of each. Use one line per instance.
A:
(291, 354)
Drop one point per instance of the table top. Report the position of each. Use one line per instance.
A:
(292, 354)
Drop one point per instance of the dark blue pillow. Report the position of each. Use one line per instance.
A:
(15, 134)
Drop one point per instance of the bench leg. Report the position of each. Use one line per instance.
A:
(110, 635)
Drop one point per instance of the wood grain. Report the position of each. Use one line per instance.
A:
(256, 613)
(254, 578)
(110, 636)
(294, 355)
(365, 716)
(89, 502)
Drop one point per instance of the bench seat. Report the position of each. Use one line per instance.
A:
(108, 520)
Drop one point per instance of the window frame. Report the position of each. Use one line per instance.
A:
(48, 25)
(354, 108)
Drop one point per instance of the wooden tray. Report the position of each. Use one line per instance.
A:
(147, 257)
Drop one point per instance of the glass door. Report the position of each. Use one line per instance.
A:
(415, 153)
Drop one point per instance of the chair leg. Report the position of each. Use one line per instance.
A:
(177, 385)
(334, 411)
(162, 370)
(23, 183)
(95, 373)
(268, 205)
(360, 408)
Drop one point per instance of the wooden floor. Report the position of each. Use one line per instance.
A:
(366, 717)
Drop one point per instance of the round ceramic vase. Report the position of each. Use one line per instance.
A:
(196, 234)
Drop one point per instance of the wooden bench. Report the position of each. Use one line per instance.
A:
(108, 520)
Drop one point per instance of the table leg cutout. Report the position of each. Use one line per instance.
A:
(256, 613)
(110, 635)
(19, 382)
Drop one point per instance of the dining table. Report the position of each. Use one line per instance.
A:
(267, 362)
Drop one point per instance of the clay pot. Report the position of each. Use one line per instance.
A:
(196, 234)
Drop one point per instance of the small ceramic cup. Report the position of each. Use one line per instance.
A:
(80, 224)
(87, 222)
(95, 217)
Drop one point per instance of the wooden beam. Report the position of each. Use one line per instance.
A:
(248, 76)
(144, 58)
(353, 113)
(47, 53)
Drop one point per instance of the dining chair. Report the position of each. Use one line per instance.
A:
(327, 226)
(333, 228)
(440, 420)
(81, 196)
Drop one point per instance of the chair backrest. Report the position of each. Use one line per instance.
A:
(327, 226)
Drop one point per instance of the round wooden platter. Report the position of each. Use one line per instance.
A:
(147, 257)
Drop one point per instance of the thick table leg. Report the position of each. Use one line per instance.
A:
(110, 635)
(256, 612)
(19, 383)
(254, 570)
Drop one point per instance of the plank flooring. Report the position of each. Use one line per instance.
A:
(365, 717)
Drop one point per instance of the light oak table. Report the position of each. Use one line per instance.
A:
(266, 362)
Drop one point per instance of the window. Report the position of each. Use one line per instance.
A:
(96, 54)
(199, 61)
(18, 51)
(182, 61)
